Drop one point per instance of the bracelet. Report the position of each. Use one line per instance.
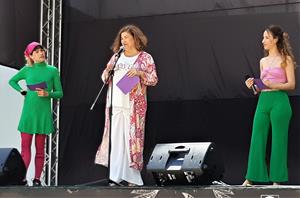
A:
(23, 92)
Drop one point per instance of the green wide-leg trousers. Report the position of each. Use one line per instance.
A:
(273, 110)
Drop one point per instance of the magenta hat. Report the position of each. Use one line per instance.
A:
(30, 48)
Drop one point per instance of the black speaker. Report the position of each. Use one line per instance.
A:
(12, 167)
(196, 163)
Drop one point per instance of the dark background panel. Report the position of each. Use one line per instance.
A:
(196, 56)
(19, 24)
(227, 122)
(201, 60)
(107, 9)
(202, 51)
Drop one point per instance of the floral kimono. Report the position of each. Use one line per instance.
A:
(138, 107)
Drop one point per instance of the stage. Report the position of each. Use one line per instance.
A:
(202, 51)
(215, 191)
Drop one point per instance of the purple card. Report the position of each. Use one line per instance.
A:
(259, 83)
(126, 83)
(33, 87)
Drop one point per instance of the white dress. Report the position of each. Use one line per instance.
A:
(120, 125)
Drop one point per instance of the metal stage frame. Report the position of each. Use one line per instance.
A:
(50, 38)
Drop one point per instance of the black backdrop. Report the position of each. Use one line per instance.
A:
(202, 52)
(19, 24)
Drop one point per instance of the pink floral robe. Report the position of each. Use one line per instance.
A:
(138, 107)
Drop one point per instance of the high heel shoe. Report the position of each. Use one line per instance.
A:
(132, 184)
(24, 183)
(247, 183)
(36, 182)
(113, 183)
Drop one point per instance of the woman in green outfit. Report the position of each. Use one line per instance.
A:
(43, 83)
(277, 70)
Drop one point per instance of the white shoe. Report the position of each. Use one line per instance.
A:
(247, 183)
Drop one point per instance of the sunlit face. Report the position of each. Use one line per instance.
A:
(38, 55)
(127, 41)
(268, 40)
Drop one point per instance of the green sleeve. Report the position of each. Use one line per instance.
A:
(57, 88)
(14, 81)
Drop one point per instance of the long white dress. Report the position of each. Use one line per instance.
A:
(120, 154)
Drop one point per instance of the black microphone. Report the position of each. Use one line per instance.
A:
(252, 87)
(117, 56)
(121, 49)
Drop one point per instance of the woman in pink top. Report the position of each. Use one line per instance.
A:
(273, 109)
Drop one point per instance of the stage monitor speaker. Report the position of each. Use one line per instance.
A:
(196, 163)
(12, 167)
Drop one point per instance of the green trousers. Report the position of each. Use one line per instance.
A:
(273, 109)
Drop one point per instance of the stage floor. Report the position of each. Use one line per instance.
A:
(215, 191)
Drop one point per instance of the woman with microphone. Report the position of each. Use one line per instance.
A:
(128, 109)
(273, 111)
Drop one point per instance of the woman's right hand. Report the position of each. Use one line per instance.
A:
(105, 76)
(249, 82)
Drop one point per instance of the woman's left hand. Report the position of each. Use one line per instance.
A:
(133, 72)
(42, 92)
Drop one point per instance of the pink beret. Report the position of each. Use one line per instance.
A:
(30, 48)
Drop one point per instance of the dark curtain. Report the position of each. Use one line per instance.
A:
(19, 24)
(202, 49)
(108, 9)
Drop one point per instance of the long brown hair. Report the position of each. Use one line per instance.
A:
(283, 44)
(139, 37)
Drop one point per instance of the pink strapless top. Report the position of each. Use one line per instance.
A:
(273, 74)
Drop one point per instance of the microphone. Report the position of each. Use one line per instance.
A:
(117, 56)
(252, 87)
(121, 49)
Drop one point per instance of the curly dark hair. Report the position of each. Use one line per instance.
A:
(139, 37)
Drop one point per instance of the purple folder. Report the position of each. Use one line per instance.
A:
(259, 83)
(126, 84)
(33, 87)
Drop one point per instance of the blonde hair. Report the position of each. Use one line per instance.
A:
(28, 61)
